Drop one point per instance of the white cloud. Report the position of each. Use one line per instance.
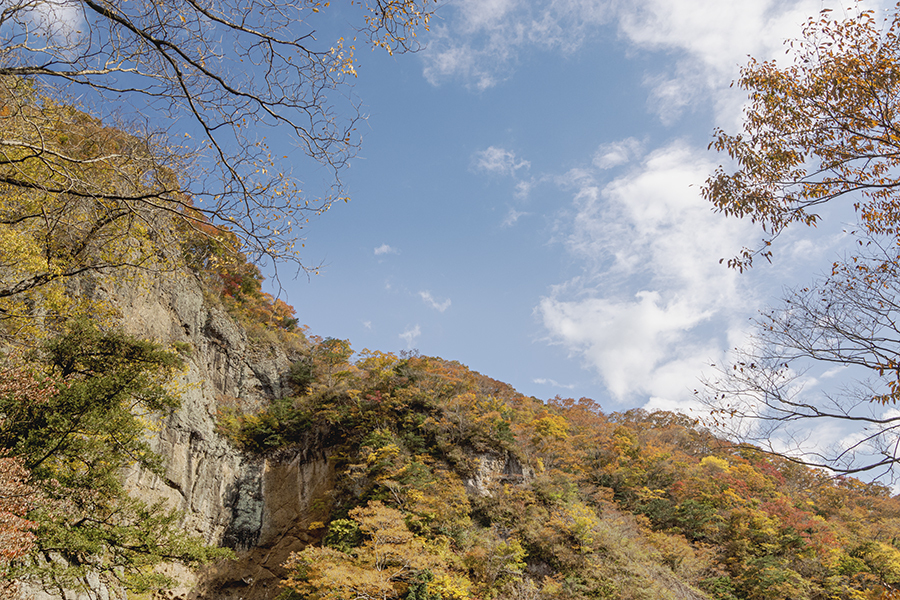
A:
(710, 40)
(430, 301)
(652, 222)
(523, 188)
(479, 14)
(482, 39)
(410, 335)
(654, 305)
(500, 161)
(627, 342)
(618, 153)
(512, 217)
(385, 249)
(833, 372)
(796, 248)
(553, 383)
(717, 35)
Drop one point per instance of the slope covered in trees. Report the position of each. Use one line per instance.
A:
(452, 485)
(585, 504)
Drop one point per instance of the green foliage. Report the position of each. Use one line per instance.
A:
(86, 430)
(419, 589)
(627, 506)
(302, 374)
(75, 415)
(343, 535)
(80, 200)
(184, 349)
(720, 588)
(282, 424)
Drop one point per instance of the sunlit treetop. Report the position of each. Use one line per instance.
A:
(822, 128)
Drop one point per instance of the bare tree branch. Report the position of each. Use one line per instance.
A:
(221, 70)
(850, 318)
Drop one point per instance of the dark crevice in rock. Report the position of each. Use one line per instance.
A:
(244, 498)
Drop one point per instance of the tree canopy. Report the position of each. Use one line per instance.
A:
(821, 128)
(224, 71)
(824, 127)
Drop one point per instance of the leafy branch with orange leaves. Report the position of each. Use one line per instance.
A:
(822, 128)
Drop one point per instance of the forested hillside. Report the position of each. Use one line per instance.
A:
(153, 397)
(448, 484)
(455, 486)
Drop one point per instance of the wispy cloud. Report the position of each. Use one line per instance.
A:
(385, 249)
(499, 160)
(523, 188)
(482, 40)
(617, 153)
(410, 335)
(553, 383)
(653, 295)
(433, 303)
(512, 216)
(652, 305)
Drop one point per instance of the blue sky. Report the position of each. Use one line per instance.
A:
(526, 198)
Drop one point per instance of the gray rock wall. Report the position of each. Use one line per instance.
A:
(260, 508)
(218, 488)
(263, 508)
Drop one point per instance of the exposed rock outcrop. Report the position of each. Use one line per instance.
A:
(262, 508)
(494, 470)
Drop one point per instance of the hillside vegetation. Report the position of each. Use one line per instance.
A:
(453, 486)
(585, 504)
(79, 399)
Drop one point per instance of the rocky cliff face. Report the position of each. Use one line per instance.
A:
(260, 507)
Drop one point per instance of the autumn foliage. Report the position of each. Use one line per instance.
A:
(17, 498)
(820, 129)
(583, 505)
